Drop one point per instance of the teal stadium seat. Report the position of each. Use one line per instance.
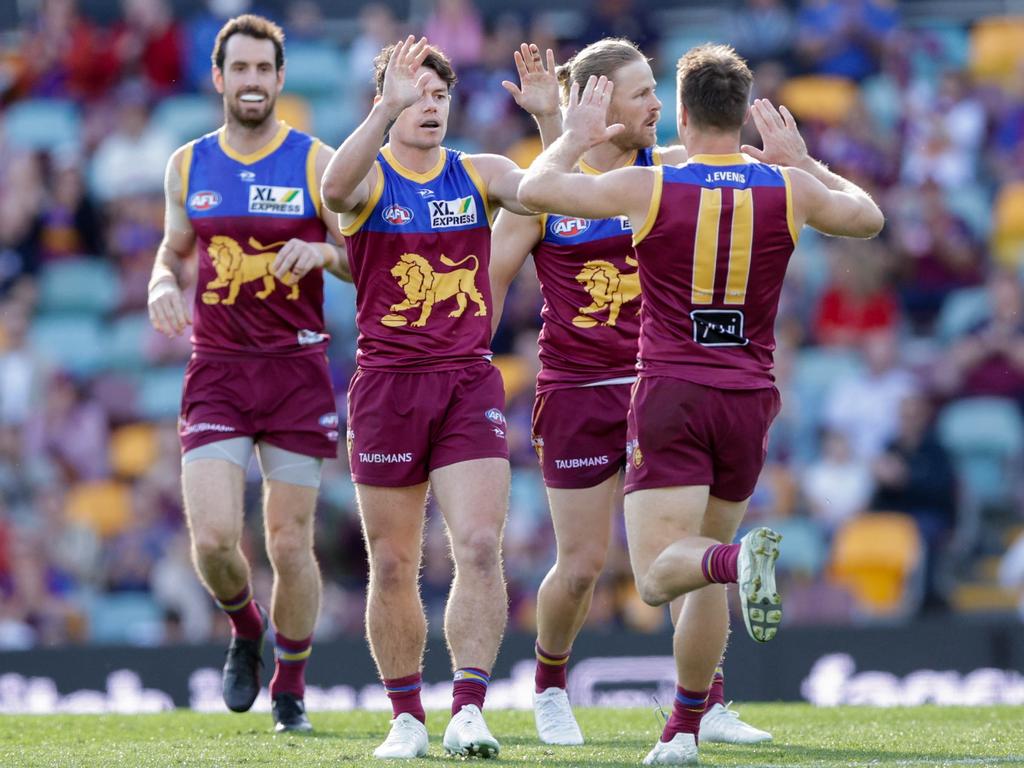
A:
(316, 69)
(70, 342)
(985, 435)
(125, 341)
(79, 285)
(159, 394)
(127, 618)
(42, 124)
(962, 310)
(334, 117)
(816, 371)
(187, 116)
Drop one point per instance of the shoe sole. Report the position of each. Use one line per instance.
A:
(293, 729)
(485, 751)
(762, 604)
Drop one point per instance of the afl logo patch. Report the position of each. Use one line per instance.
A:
(204, 200)
(569, 226)
(495, 416)
(397, 215)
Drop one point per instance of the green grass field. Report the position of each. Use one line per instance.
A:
(804, 736)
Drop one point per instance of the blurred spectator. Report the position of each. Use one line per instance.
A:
(622, 18)
(131, 160)
(69, 431)
(857, 302)
(68, 223)
(915, 476)
(456, 28)
(938, 250)
(21, 368)
(65, 56)
(838, 486)
(989, 360)
(22, 192)
(844, 37)
(762, 30)
(149, 45)
(199, 36)
(378, 28)
(864, 407)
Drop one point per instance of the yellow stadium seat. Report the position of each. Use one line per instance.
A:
(515, 372)
(878, 557)
(295, 111)
(819, 97)
(133, 449)
(104, 505)
(1008, 226)
(997, 48)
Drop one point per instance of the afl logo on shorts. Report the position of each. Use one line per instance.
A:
(397, 215)
(569, 226)
(329, 421)
(204, 200)
(495, 416)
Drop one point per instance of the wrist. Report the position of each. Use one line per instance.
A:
(167, 277)
(389, 111)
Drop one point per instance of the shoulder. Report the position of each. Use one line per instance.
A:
(671, 155)
(487, 164)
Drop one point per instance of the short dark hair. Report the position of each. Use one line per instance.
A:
(714, 85)
(601, 58)
(250, 25)
(436, 60)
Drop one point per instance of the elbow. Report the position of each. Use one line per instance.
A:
(530, 194)
(874, 221)
(333, 196)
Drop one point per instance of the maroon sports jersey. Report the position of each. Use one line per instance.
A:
(244, 208)
(713, 254)
(588, 277)
(419, 252)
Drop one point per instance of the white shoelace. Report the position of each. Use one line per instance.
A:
(553, 713)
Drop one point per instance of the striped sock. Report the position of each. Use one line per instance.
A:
(551, 669)
(290, 657)
(686, 713)
(719, 564)
(469, 687)
(244, 614)
(716, 695)
(404, 693)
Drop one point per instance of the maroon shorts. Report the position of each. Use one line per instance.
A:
(287, 402)
(401, 426)
(580, 434)
(681, 433)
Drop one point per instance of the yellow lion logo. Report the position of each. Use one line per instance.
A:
(235, 267)
(608, 288)
(424, 287)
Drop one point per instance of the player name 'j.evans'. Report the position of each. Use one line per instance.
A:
(736, 176)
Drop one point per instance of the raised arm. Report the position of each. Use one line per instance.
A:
(350, 174)
(552, 185)
(537, 92)
(821, 199)
(168, 311)
(512, 240)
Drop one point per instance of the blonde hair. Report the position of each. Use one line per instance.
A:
(600, 58)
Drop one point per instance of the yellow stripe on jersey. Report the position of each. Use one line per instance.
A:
(652, 209)
(369, 205)
(793, 231)
(543, 218)
(705, 246)
(740, 245)
(186, 169)
(656, 158)
(419, 178)
(312, 181)
(478, 181)
(254, 157)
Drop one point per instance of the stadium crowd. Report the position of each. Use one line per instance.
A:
(892, 469)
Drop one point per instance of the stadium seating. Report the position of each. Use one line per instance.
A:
(133, 449)
(105, 506)
(819, 97)
(316, 69)
(1007, 239)
(43, 124)
(879, 557)
(961, 311)
(985, 435)
(88, 285)
(997, 48)
(160, 393)
(186, 116)
(816, 371)
(124, 618)
(71, 342)
(124, 341)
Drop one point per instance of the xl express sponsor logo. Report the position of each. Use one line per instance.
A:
(452, 213)
(288, 201)
(568, 226)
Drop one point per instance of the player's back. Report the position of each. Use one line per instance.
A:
(713, 254)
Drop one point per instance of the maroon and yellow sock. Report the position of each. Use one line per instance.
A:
(244, 614)
(404, 693)
(686, 713)
(469, 687)
(719, 564)
(551, 669)
(290, 658)
(716, 694)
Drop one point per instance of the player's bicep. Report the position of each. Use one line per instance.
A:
(179, 236)
(512, 239)
(831, 212)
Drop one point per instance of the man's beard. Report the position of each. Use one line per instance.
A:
(249, 119)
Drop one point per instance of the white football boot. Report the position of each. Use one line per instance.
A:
(682, 750)
(467, 734)
(723, 725)
(761, 603)
(407, 739)
(555, 721)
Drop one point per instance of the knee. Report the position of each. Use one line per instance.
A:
(289, 548)
(213, 542)
(479, 552)
(649, 592)
(391, 567)
(579, 575)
